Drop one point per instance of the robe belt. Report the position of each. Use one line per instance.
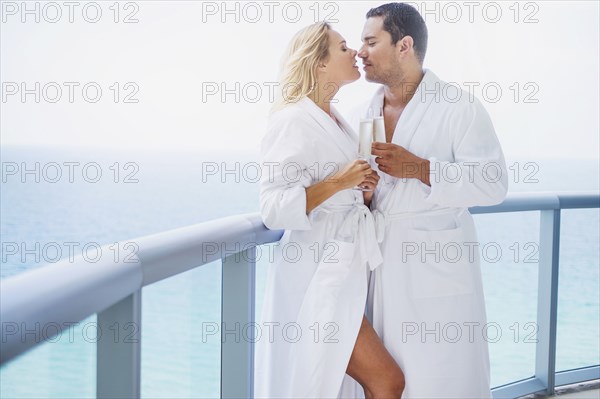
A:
(365, 236)
(381, 219)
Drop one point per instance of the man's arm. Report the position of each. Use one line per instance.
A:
(476, 177)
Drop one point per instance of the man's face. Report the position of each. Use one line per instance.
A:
(379, 56)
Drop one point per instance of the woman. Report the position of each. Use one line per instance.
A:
(313, 325)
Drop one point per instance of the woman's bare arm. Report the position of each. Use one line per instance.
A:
(353, 174)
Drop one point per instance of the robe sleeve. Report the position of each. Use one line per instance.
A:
(285, 155)
(477, 176)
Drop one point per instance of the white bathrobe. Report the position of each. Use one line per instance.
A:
(317, 286)
(427, 298)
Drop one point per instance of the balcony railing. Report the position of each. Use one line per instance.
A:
(67, 292)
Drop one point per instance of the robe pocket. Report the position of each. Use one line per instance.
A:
(439, 222)
(439, 263)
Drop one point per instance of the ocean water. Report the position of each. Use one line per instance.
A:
(154, 192)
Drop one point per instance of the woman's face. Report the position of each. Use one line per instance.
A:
(340, 67)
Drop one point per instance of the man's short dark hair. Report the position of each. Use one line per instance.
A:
(401, 19)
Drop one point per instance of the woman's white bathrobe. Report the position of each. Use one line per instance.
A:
(317, 286)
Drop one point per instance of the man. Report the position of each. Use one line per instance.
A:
(441, 157)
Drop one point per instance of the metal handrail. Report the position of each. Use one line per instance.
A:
(71, 290)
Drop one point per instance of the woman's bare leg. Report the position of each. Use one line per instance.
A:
(373, 366)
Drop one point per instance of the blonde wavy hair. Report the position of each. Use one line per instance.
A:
(298, 73)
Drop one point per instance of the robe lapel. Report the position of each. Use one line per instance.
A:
(376, 101)
(349, 134)
(414, 112)
(406, 128)
(340, 139)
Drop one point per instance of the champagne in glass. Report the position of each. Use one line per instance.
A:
(365, 137)
(379, 128)
(379, 137)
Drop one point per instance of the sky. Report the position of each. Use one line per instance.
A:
(198, 76)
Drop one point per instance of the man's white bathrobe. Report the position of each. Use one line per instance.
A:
(426, 298)
(317, 286)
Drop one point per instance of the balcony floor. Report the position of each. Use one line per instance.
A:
(587, 390)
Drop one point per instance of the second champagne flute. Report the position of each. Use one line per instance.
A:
(365, 138)
(379, 137)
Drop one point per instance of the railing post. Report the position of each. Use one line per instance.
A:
(119, 349)
(237, 328)
(545, 355)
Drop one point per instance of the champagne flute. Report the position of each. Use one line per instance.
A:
(379, 127)
(365, 137)
(379, 137)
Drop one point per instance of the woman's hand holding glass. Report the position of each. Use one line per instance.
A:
(356, 172)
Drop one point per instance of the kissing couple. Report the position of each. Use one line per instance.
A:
(355, 313)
